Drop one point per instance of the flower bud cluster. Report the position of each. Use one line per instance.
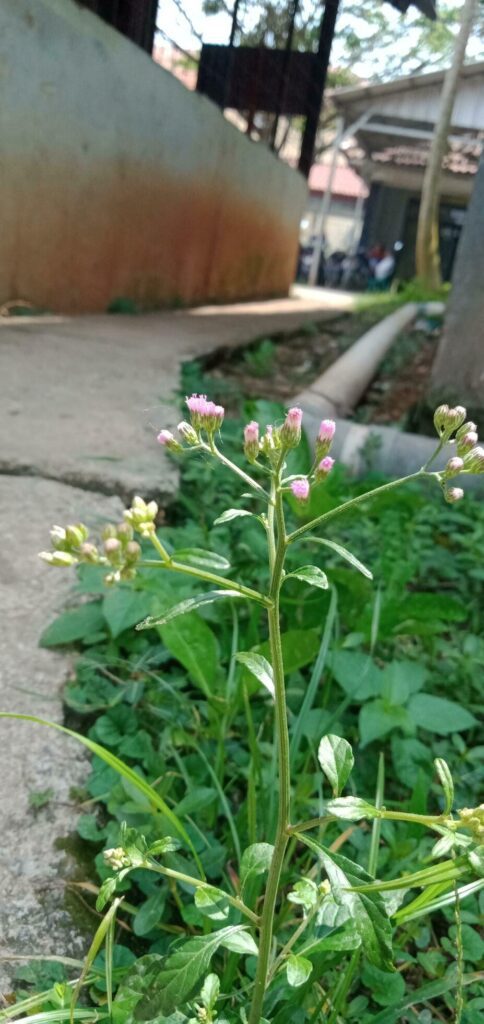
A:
(121, 552)
(469, 456)
(116, 858)
(278, 440)
(473, 819)
(70, 546)
(204, 416)
(141, 516)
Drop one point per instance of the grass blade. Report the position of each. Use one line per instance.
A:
(123, 769)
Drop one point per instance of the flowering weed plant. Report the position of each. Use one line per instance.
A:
(280, 928)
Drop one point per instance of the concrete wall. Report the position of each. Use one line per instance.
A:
(116, 181)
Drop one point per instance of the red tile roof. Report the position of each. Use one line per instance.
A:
(461, 158)
(346, 182)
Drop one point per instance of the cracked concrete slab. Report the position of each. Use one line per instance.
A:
(33, 917)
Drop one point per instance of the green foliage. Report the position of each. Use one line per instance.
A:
(182, 738)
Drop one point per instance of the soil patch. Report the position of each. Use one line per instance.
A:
(397, 395)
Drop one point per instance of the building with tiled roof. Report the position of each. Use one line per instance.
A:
(389, 128)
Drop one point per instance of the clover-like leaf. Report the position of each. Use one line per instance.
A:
(298, 969)
(336, 759)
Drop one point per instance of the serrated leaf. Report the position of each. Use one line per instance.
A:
(212, 902)
(200, 557)
(310, 574)
(259, 667)
(232, 513)
(344, 553)
(367, 911)
(336, 759)
(351, 808)
(256, 860)
(446, 781)
(185, 607)
(178, 977)
(298, 970)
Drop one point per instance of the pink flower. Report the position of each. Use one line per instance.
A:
(251, 441)
(465, 443)
(324, 468)
(205, 414)
(324, 439)
(165, 437)
(300, 489)
(291, 428)
(452, 494)
(326, 430)
(454, 466)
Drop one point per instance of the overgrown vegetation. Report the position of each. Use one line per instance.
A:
(391, 664)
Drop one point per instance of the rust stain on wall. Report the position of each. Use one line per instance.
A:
(72, 241)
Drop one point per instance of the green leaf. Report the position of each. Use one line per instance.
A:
(256, 860)
(242, 942)
(357, 674)
(377, 718)
(336, 759)
(386, 989)
(184, 607)
(178, 977)
(305, 893)
(347, 555)
(339, 941)
(367, 911)
(259, 667)
(210, 992)
(200, 557)
(77, 624)
(310, 574)
(298, 970)
(212, 902)
(194, 644)
(232, 513)
(123, 608)
(436, 714)
(446, 781)
(443, 871)
(351, 808)
(154, 799)
(149, 913)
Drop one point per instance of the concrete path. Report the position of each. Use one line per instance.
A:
(81, 401)
(83, 398)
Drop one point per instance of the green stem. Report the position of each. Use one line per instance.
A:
(198, 883)
(292, 941)
(235, 469)
(354, 502)
(282, 835)
(208, 577)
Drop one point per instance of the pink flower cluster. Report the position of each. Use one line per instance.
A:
(204, 414)
(300, 488)
(291, 428)
(251, 441)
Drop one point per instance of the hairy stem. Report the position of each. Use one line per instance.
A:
(208, 577)
(282, 836)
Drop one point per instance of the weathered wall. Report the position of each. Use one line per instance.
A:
(116, 181)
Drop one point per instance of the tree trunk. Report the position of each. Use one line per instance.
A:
(427, 257)
(458, 372)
